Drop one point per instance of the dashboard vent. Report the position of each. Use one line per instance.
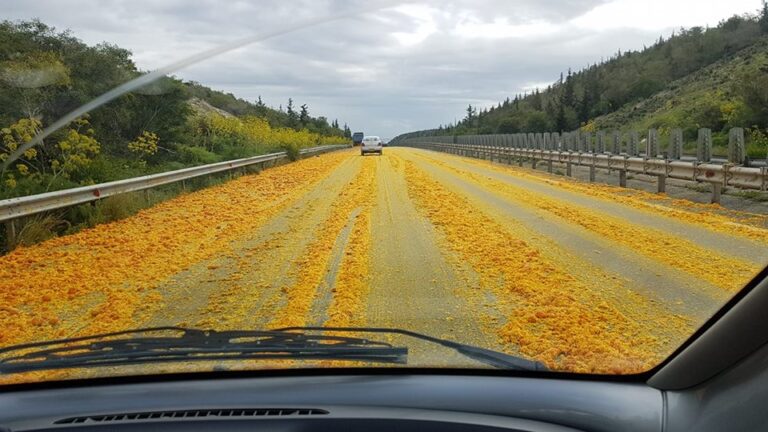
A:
(188, 414)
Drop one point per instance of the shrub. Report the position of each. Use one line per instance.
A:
(196, 155)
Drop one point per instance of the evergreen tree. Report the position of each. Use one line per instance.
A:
(292, 116)
(304, 115)
(569, 98)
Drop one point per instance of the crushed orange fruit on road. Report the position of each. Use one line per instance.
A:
(711, 216)
(108, 273)
(292, 246)
(556, 318)
(720, 270)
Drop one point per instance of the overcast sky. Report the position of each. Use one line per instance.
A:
(405, 66)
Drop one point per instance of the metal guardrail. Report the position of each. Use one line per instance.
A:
(719, 175)
(28, 205)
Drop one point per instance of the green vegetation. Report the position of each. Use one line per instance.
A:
(165, 125)
(713, 78)
(168, 124)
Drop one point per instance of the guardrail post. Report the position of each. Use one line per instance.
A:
(10, 234)
(662, 182)
(704, 145)
(717, 189)
(736, 146)
(623, 178)
(676, 144)
(569, 168)
(592, 172)
(652, 144)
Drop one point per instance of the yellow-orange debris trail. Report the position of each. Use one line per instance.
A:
(682, 254)
(97, 280)
(582, 277)
(555, 317)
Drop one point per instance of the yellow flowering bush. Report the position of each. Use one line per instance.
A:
(13, 137)
(255, 134)
(76, 149)
(144, 145)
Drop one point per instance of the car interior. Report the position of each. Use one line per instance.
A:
(718, 380)
(179, 258)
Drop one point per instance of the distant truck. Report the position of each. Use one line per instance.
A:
(357, 138)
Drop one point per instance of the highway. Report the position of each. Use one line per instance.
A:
(583, 277)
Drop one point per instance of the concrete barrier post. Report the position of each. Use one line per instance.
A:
(586, 142)
(676, 144)
(652, 144)
(704, 145)
(600, 142)
(616, 142)
(633, 144)
(736, 146)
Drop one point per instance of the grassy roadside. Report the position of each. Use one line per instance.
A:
(43, 226)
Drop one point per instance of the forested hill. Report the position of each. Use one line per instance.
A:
(45, 74)
(713, 77)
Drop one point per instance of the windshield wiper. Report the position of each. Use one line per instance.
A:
(490, 357)
(125, 348)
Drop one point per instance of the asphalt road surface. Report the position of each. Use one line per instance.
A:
(582, 277)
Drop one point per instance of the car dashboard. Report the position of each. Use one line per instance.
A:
(352, 402)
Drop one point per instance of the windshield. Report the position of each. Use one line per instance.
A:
(571, 187)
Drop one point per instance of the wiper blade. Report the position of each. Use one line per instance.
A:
(490, 357)
(126, 348)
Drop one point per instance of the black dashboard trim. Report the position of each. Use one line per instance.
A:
(318, 372)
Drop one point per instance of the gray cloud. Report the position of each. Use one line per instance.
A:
(408, 66)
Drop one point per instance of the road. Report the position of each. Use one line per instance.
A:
(582, 277)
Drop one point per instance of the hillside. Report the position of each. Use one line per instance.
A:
(704, 98)
(168, 124)
(714, 78)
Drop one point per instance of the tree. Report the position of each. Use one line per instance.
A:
(763, 20)
(471, 113)
(304, 115)
(32, 77)
(293, 118)
(569, 98)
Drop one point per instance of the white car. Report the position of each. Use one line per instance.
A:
(371, 144)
